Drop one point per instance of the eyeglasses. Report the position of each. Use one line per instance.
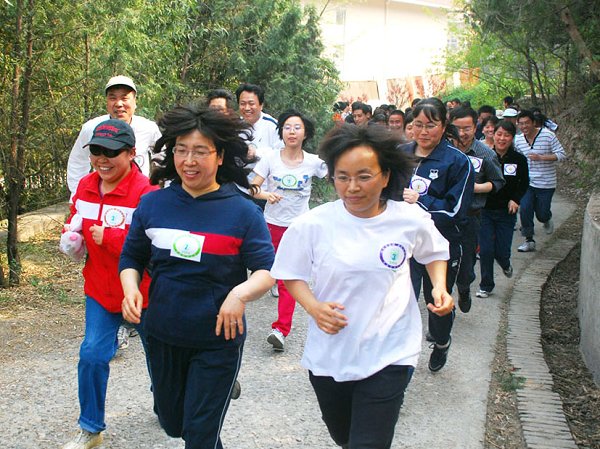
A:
(363, 178)
(97, 150)
(428, 126)
(290, 127)
(196, 154)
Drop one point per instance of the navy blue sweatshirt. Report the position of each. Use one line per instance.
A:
(199, 249)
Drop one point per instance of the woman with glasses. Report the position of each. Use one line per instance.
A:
(104, 200)
(199, 236)
(346, 263)
(442, 184)
(289, 175)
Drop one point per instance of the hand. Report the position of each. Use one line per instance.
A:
(513, 207)
(132, 306)
(443, 303)
(410, 196)
(231, 316)
(535, 157)
(328, 318)
(97, 234)
(273, 197)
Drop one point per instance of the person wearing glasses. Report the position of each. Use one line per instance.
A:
(200, 236)
(346, 263)
(442, 184)
(105, 200)
(289, 174)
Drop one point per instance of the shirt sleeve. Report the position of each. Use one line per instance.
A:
(558, 149)
(78, 164)
(493, 172)
(430, 245)
(294, 256)
(257, 249)
(321, 168)
(136, 251)
(262, 167)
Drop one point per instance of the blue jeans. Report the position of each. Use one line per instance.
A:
(536, 201)
(99, 346)
(363, 413)
(495, 240)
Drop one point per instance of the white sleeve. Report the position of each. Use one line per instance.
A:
(262, 167)
(321, 168)
(430, 244)
(294, 256)
(79, 159)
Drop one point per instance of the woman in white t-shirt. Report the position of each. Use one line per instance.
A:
(288, 174)
(364, 335)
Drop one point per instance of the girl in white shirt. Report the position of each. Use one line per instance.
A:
(288, 174)
(364, 335)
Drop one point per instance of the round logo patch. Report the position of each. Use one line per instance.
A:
(419, 185)
(392, 255)
(139, 160)
(186, 246)
(289, 181)
(510, 169)
(114, 218)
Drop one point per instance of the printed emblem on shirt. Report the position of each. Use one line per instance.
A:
(434, 173)
(477, 163)
(290, 185)
(114, 217)
(392, 255)
(420, 184)
(510, 169)
(188, 246)
(139, 160)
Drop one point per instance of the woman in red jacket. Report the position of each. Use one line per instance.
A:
(105, 200)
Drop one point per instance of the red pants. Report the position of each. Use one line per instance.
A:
(285, 307)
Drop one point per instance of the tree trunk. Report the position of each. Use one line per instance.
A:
(567, 18)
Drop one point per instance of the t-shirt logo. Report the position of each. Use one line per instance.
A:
(289, 181)
(420, 184)
(392, 255)
(510, 169)
(477, 162)
(114, 218)
(188, 246)
(139, 160)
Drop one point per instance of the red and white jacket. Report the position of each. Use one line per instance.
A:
(113, 211)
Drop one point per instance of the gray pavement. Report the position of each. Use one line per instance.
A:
(277, 409)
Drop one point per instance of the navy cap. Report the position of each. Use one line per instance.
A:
(113, 134)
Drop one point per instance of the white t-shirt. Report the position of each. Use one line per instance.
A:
(146, 134)
(362, 263)
(293, 183)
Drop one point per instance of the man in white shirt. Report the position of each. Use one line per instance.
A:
(121, 94)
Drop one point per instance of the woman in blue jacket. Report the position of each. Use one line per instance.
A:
(199, 236)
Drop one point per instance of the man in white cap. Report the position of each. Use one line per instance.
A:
(121, 95)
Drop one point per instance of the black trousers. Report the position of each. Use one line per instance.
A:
(440, 327)
(192, 389)
(362, 414)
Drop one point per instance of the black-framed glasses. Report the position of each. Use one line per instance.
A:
(97, 150)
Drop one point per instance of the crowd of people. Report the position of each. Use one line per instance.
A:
(187, 220)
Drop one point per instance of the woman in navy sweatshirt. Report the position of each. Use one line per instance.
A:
(199, 236)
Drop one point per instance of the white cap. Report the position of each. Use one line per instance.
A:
(120, 80)
(510, 112)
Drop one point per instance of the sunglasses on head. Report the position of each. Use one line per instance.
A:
(97, 150)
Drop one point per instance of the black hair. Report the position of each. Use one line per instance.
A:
(492, 118)
(408, 118)
(463, 112)
(227, 132)
(525, 113)
(397, 112)
(456, 100)
(486, 109)
(253, 88)
(378, 119)
(451, 134)
(398, 164)
(221, 93)
(340, 106)
(415, 102)
(309, 126)
(509, 127)
(362, 106)
(433, 108)
(508, 100)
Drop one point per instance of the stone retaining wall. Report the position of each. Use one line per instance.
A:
(589, 287)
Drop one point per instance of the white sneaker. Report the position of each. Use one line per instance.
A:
(277, 339)
(123, 337)
(527, 246)
(549, 227)
(483, 294)
(275, 291)
(84, 440)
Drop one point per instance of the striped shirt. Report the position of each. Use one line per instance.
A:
(542, 174)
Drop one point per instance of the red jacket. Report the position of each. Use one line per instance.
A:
(113, 210)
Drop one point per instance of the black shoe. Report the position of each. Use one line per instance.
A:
(429, 337)
(237, 390)
(464, 301)
(438, 357)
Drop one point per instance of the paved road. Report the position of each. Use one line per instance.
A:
(277, 409)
